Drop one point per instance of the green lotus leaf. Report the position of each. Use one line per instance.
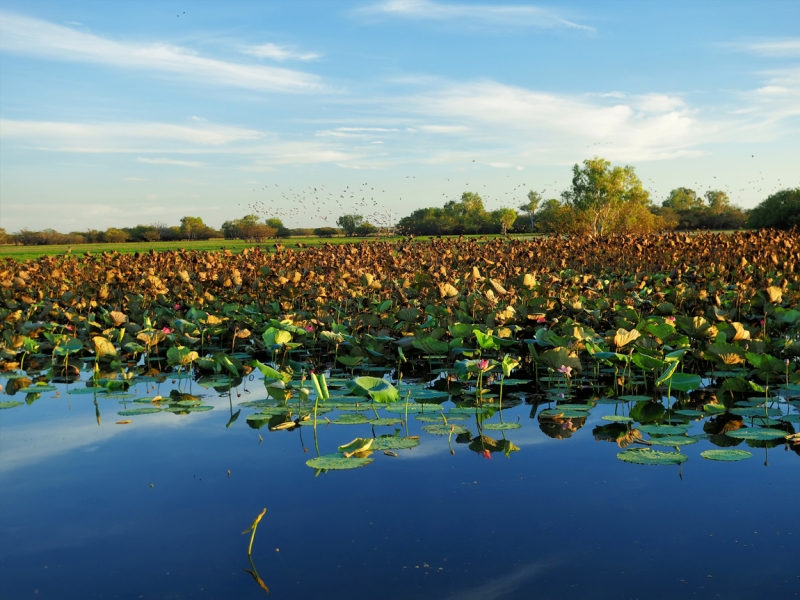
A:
(663, 429)
(585, 407)
(376, 388)
(37, 389)
(10, 403)
(756, 412)
(350, 419)
(673, 440)
(790, 418)
(385, 421)
(689, 412)
(647, 411)
(337, 462)
(413, 407)
(760, 434)
(182, 410)
(392, 442)
(501, 426)
(634, 398)
(444, 429)
(617, 419)
(726, 455)
(564, 414)
(645, 456)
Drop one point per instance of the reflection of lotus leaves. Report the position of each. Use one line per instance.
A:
(617, 419)
(386, 421)
(501, 426)
(791, 418)
(138, 411)
(391, 442)
(444, 429)
(673, 440)
(354, 419)
(10, 404)
(757, 434)
(89, 390)
(271, 411)
(182, 410)
(337, 462)
(645, 456)
(726, 455)
(37, 389)
(575, 406)
(663, 429)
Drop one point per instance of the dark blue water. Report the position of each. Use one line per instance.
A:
(148, 510)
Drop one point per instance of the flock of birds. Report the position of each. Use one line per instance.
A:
(321, 205)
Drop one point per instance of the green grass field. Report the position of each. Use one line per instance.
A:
(22, 253)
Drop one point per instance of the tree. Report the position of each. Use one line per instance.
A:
(115, 236)
(275, 223)
(505, 217)
(193, 228)
(780, 210)
(326, 232)
(366, 229)
(349, 223)
(681, 199)
(601, 195)
(248, 227)
(718, 201)
(529, 207)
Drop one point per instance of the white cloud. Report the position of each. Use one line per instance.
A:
(495, 14)
(43, 39)
(169, 161)
(120, 137)
(276, 52)
(782, 47)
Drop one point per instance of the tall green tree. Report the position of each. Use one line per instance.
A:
(718, 201)
(505, 217)
(780, 210)
(349, 223)
(191, 227)
(529, 207)
(683, 198)
(602, 195)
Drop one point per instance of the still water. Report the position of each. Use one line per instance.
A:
(155, 508)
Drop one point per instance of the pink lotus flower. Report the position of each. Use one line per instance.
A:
(166, 330)
(670, 320)
(177, 307)
(486, 454)
(541, 320)
(68, 327)
(565, 370)
(309, 328)
(483, 364)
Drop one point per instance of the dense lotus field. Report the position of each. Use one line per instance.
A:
(671, 330)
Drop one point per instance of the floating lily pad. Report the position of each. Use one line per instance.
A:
(430, 418)
(673, 440)
(645, 456)
(564, 414)
(467, 410)
(385, 421)
(756, 412)
(689, 412)
(391, 442)
(413, 407)
(726, 455)
(444, 429)
(179, 410)
(609, 401)
(257, 403)
(337, 462)
(635, 398)
(37, 389)
(139, 411)
(790, 418)
(617, 419)
(514, 382)
(350, 419)
(501, 426)
(714, 408)
(89, 390)
(663, 429)
(762, 434)
(575, 406)
(10, 404)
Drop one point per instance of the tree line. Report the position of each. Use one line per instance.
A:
(601, 200)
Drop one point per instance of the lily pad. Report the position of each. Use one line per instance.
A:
(726, 455)
(791, 418)
(444, 429)
(617, 419)
(37, 389)
(673, 440)
(10, 404)
(413, 407)
(501, 426)
(689, 412)
(564, 414)
(385, 421)
(179, 410)
(663, 429)
(751, 433)
(391, 442)
(139, 411)
(635, 398)
(337, 462)
(350, 419)
(645, 456)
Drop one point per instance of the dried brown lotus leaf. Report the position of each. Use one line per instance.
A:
(741, 332)
(623, 337)
(118, 318)
(775, 294)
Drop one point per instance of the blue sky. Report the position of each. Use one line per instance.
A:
(119, 113)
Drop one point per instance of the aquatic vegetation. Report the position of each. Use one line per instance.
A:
(684, 339)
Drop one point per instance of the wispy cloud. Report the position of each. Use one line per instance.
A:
(169, 161)
(43, 39)
(779, 47)
(495, 14)
(276, 52)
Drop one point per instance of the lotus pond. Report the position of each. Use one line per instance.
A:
(432, 420)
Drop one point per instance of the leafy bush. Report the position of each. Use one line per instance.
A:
(781, 210)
